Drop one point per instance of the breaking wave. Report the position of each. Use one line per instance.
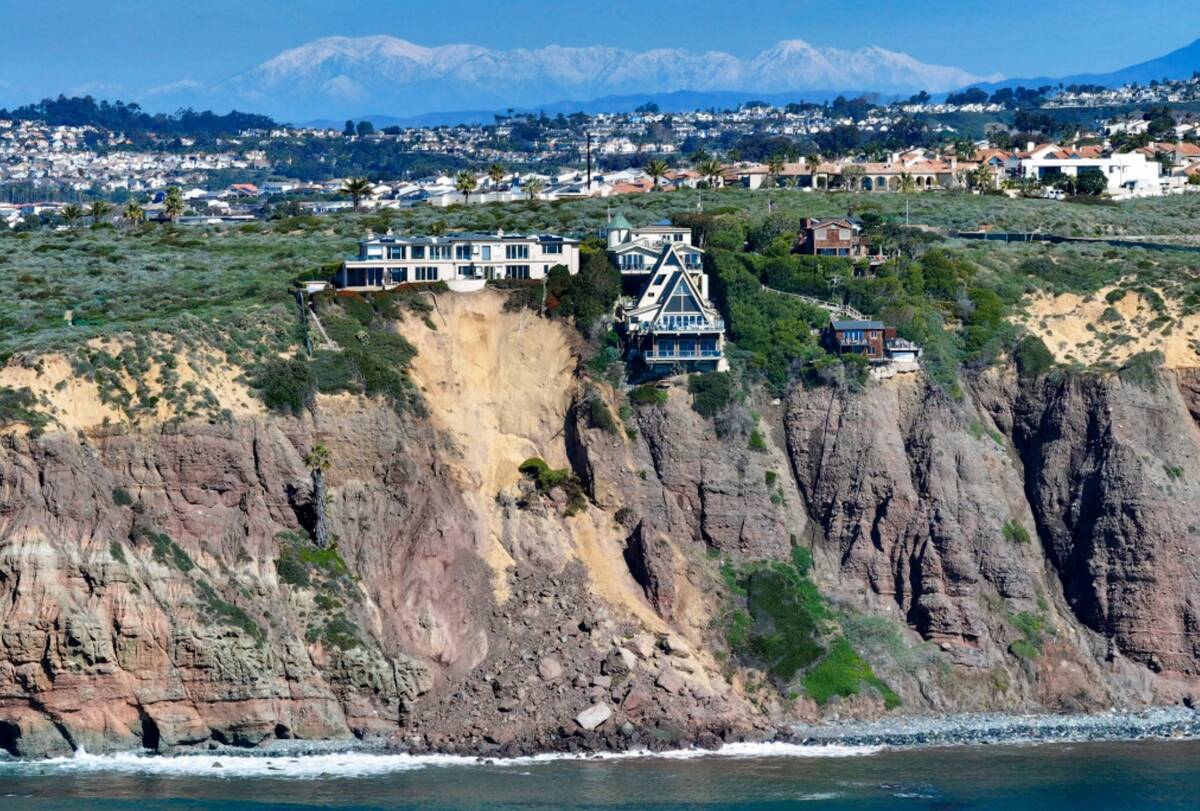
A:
(351, 763)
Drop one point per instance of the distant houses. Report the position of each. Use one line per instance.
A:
(872, 339)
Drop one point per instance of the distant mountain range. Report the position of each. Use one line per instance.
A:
(1178, 64)
(337, 77)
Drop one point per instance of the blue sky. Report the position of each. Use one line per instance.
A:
(106, 46)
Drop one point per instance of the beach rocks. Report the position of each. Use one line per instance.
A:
(549, 668)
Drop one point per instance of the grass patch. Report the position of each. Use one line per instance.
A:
(1014, 532)
(648, 395)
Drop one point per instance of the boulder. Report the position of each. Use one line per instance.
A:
(550, 669)
(594, 716)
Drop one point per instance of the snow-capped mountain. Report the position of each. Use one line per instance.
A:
(345, 76)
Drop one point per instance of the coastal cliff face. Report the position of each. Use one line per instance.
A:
(1033, 546)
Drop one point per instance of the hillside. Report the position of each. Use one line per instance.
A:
(530, 554)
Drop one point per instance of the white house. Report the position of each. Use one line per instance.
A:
(1129, 174)
(387, 261)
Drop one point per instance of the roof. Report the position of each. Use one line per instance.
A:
(843, 325)
(619, 222)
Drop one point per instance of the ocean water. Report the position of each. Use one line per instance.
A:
(1157, 774)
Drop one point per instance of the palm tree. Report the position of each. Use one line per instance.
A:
(465, 183)
(907, 183)
(533, 187)
(133, 214)
(813, 163)
(981, 178)
(774, 169)
(656, 169)
(495, 173)
(357, 188)
(852, 176)
(98, 210)
(711, 170)
(70, 214)
(173, 204)
(317, 460)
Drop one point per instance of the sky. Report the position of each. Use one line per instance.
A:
(108, 47)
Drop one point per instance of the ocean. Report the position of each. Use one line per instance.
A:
(1158, 773)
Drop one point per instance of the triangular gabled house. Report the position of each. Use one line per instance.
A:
(671, 324)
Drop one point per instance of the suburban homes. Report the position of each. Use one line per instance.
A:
(830, 237)
(464, 260)
(668, 322)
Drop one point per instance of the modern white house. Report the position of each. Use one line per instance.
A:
(465, 260)
(670, 322)
(1129, 174)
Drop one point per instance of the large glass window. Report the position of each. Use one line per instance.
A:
(426, 274)
(399, 275)
(396, 252)
(552, 247)
(516, 271)
(682, 301)
(516, 251)
(439, 251)
(462, 251)
(418, 251)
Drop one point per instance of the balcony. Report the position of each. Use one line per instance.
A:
(674, 324)
(656, 356)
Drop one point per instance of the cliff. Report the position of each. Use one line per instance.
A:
(1030, 547)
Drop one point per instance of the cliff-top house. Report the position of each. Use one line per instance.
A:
(669, 323)
(465, 260)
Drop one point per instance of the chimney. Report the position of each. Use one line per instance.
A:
(1029, 145)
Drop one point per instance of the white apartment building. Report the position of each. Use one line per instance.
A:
(471, 259)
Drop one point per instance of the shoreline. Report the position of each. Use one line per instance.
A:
(356, 758)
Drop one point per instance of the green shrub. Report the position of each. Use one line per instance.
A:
(648, 395)
(1014, 532)
(841, 673)
(217, 609)
(599, 416)
(1032, 357)
(17, 407)
(285, 385)
(1142, 369)
(121, 497)
(116, 551)
(757, 442)
(711, 392)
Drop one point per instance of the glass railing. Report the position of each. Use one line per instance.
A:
(687, 325)
(683, 354)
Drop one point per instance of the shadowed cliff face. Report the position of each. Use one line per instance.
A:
(160, 588)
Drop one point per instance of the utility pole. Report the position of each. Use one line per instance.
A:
(589, 161)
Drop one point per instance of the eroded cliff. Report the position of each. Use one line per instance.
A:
(1032, 546)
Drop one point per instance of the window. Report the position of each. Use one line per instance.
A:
(485, 253)
(418, 251)
(399, 275)
(396, 252)
(439, 251)
(462, 251)
(516, 252)
(516, 271)
(552, 247)
(426, 274)
(682, 301)
(633, 261)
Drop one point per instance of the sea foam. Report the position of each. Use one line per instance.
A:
(351, 764)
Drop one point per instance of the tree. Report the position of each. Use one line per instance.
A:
(318, 460)
(656, 169)
(495, 173)
(981, 178)
(173, 204)
(812, 162)
(533, 187)
(907, 182)
(133, 214)
(710, 168)
(98, 210)
(364, 129)
(1092, 184)
(348, 130)
(357, 188)
(465, 183)
(775, 166)
(71, 214)
(852, 175)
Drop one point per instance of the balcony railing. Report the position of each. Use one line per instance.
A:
(683, 325)
(657, 356)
